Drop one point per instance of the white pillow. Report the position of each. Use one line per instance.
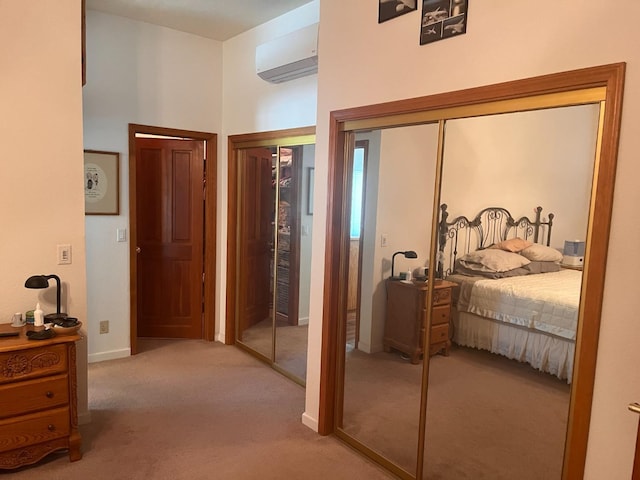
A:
(493, 260)
(541, 253)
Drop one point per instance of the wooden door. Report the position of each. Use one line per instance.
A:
(170, 228)
(257, 204)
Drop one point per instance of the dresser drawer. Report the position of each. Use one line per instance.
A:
(440, 315)
(441, 296)
(34, 428)
(33, 395)
(439, 333)
(32, 363)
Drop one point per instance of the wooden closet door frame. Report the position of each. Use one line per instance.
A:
(433, 108)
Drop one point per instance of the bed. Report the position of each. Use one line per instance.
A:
(513, 298)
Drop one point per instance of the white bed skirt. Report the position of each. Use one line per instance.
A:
(547, 353)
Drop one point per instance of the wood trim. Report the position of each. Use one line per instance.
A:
(636, 461)
(609, 76)
(210, 228)
(83, 41)
(234, 143)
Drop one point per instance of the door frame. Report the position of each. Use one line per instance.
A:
(236, 142)
(210, 221)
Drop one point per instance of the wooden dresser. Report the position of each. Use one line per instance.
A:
(406, 317)
(38, 398)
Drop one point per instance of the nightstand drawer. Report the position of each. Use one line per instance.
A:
(441, 296)
(33, 395)
(440, 315)
(32, 363)
(439, 333)
(34, 428)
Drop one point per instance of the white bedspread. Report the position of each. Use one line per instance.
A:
(546, 302)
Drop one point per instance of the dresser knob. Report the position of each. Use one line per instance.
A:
(51, 427)
(49, 394)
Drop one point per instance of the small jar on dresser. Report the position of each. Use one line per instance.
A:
(38, 398)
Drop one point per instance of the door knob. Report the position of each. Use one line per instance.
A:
(635, 407)
(138, 249)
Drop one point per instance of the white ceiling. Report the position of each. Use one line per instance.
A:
(216, 19)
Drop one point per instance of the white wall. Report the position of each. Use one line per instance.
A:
(399, 196)
(145, 74)
(363, 62)
(306, 227)
(42, 198)
(523, 160)
(251, 105)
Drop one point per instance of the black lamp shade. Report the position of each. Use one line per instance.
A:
(37, 281)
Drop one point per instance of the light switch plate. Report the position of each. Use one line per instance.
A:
(121, 234)
(64, 254)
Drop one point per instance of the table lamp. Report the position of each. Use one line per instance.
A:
(406, 254)
(42, 281)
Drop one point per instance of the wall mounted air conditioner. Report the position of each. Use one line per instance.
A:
(288, 57)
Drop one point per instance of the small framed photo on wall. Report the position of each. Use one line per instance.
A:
(443, 19)
(389, 9)
(101, 183)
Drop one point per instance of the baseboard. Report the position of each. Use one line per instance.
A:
(303, 321)
(310, 422)
(112, 355)
(220, 337)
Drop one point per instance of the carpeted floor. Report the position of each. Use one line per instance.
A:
(488, 417)
(193, 410)
(291, 344)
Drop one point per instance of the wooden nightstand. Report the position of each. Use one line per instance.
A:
(406, 317)
(38, 398)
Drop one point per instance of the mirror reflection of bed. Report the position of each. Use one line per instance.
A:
(498, 402)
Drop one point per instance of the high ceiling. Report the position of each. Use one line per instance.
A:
(216, 19)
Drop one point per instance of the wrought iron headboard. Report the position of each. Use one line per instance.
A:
(491, 225)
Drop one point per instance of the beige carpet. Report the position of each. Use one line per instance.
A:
(194, 410)
(291, 345)
(488, 417)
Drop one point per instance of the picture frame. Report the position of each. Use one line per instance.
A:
(310, 191)
(443, 19)
(101, 182)
(389, 9)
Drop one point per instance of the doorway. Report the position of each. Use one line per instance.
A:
(172, 203)
(269, 246)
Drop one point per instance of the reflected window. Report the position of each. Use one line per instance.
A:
(357, 188)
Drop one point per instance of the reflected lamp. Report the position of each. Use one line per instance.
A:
(406, 254)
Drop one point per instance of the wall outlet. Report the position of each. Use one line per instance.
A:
(384, 240)
(104, 326)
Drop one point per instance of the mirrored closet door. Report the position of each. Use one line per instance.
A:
(435, 386)
(273, 194)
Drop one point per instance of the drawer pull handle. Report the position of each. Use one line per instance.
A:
(49, 394)
(51, 427)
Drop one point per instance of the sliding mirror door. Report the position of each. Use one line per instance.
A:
(293, 258)
(498, 405)
(257, 207)
(390, 216)
(272, 245)
(548, 142)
